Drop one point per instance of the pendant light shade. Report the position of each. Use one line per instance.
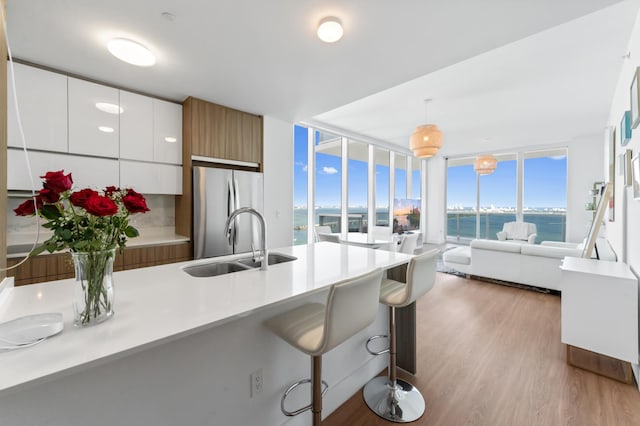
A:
(426, 140)
(485, 164)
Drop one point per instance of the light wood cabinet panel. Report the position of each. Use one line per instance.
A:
(58, 266)
(207, 128)
(42, 99)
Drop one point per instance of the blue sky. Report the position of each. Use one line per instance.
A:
(544, 181)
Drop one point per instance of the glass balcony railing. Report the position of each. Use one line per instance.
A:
(461, 225)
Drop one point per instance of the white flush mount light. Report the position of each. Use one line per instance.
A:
(131, 52)
(330, 30)
(170, 139)
(105, 129)
(109, 108)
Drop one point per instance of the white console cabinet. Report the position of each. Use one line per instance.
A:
(600, 308)
(42, 101)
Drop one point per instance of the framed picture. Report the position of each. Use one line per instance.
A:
(635, 100)
(612, 173)
(625, 128)
(635, 166)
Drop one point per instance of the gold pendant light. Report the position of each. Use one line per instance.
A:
(485, 164)
(426, 140)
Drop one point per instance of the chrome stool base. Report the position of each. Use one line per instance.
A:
(402, 404)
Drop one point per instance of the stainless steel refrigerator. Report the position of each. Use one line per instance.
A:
(217, 193)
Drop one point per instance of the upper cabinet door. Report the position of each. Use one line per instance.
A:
(42, 103)
(136, 127)
(94, 112)
(167, 132)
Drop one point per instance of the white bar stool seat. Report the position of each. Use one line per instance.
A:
(389, 397)
(316, 328)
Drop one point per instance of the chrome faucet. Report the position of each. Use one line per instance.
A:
(263, 226)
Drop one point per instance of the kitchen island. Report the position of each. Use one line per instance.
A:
(206, 336)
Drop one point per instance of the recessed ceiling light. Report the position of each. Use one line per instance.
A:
(105, 129)
(170, 139)
(109, 108)
(131, 52)
(330, 30)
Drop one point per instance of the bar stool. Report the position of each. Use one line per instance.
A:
(316, 328)
(389, 397)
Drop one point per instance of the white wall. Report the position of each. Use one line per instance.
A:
(584, 167)
(624, 231)
(278, 181)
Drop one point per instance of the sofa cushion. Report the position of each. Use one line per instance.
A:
(461, 255)
(550, 251)
(510, 247)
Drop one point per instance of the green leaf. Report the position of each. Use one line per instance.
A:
(80, 244)
(131, 232)
(49, 211)
(36, 251)
(64, 234)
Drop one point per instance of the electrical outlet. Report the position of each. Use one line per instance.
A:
(256, 382)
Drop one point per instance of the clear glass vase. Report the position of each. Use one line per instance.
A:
(93, 293)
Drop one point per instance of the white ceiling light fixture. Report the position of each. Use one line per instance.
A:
(106, 129)
(131, 52)
(170, 139)
(330, 30)
(109, 108)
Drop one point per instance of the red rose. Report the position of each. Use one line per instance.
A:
(135, 204)
(101, 206)
(109, 190)
(79, 198)
(49, 196)
(27, 208)
(133, 193)
(57, 181)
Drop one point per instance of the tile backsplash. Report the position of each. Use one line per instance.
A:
(162, 214)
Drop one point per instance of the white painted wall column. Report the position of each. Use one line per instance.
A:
(519, 186)
(311, 183)
(344, 212)
(371, 195)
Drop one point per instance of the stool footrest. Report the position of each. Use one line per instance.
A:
(371, 339)
(291, 388)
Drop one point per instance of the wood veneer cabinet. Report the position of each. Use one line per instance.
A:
(220, 132)
(59, 266)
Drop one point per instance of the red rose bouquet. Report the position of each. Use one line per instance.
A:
(85, 220)
(91, 224)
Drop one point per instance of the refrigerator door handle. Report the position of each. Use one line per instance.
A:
(237, 206)
(230, 208)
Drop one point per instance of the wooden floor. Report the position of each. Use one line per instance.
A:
(491, 355)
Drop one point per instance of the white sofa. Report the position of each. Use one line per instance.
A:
(536, 265)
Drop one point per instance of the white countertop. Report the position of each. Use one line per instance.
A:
(597, 267)
(162, 303)
(152, 236)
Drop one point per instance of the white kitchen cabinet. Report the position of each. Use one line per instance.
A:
(136, 126)
(151, 178)
(96, 173)
(167, 132)
(42, 103)
(93, 119)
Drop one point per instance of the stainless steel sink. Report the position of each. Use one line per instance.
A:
(273, 259)
(215, 268)
(228, 266)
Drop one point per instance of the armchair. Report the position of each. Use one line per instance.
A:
(523, 231)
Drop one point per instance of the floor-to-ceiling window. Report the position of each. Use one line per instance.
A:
(382, 186)
(498, 193)
(461, 199)
(545, 193)
(357, 186)
(328, 192)
(300, 181)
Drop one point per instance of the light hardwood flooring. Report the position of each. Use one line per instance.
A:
(491, 355)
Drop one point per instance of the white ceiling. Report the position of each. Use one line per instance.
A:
(263, 57)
